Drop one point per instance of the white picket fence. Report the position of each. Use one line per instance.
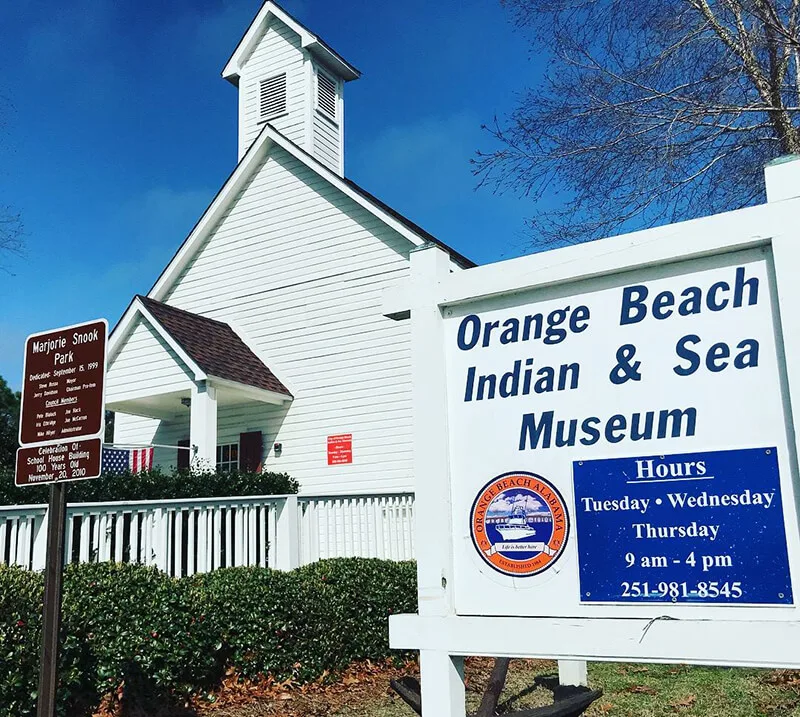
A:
(183, 537)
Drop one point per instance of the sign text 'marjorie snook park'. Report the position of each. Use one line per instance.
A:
(526, 377)
(62, 392)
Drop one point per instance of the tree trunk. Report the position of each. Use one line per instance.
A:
(497, 681)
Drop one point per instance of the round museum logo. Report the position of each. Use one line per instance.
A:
(519, 524)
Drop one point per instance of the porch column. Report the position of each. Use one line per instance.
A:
(203, 426)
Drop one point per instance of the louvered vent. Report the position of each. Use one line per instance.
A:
(273, 96)
(326, 94)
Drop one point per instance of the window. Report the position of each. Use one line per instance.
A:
(326, 94)
(272, 97)
(228, 457)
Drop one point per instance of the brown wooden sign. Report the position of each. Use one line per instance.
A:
(78, 460)
(63, 384)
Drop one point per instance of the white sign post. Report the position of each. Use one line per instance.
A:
(605, 450)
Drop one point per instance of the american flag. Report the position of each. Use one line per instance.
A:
(119, 460)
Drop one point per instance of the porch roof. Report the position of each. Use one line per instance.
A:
(214, 347)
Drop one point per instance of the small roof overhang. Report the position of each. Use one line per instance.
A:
(211, 350)
(308, 40)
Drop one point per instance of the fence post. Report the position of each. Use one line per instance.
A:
(156, 556)
(287, 535)
(40, 542)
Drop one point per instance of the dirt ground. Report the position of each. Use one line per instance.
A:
(629, 691)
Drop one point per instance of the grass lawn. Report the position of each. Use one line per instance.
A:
(629, 691)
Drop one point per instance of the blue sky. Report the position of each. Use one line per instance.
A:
(119, 130)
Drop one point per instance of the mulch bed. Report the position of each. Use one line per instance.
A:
(360, 684)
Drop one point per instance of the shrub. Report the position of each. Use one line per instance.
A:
(320, 617)
(20, 638)
(153, 485)
(264, 632)
(138, 620)
(357, 595)
(133, 624)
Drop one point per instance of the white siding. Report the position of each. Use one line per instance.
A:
(145, 365)
(277, 51)
(326, 142)
(299, 269)
(134, 430)
(168, 434)
(139, 431)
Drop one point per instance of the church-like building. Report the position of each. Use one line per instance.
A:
(262, 344)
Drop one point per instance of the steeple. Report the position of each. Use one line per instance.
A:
(287, 76)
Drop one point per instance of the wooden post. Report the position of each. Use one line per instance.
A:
(442, 675)
(51, 614)
(782, 178)
(203, 427)
(39, 542)
(287, 550)
(573, 673)
(442, 682)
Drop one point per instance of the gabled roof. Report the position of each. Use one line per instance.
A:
(268, 138)
(214, 347)
(463, 261)
(308, 40)
(211, 349)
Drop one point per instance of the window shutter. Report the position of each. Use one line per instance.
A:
(272, 96)
(184, 457)
(251, 446)
(326, 94)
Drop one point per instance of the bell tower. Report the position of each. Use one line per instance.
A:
(288, 77)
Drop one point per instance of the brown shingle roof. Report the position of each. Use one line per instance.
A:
(214, 347)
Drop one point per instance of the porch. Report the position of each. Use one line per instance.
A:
(175, 378)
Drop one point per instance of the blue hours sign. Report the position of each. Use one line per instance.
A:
(701, 528)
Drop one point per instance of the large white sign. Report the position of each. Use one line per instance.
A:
(621, 443)
(606, 449)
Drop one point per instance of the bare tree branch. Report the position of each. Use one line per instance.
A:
(11, 230)
(651, 111)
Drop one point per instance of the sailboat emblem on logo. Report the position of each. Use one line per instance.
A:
(519, 524)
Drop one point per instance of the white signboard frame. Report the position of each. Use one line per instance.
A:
(722, 635)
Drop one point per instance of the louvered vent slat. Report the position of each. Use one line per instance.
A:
(273, 96)
(326, 94)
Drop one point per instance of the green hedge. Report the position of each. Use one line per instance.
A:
(154, 485)
(171, 637)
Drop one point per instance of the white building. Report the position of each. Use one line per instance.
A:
(264, 335)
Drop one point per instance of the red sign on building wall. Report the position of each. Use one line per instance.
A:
(340, 449)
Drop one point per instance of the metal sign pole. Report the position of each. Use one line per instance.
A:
(51, 615)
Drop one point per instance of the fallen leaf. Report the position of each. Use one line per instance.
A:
(641, 690)
(606, 707)
(687, 701)
(783, 677)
